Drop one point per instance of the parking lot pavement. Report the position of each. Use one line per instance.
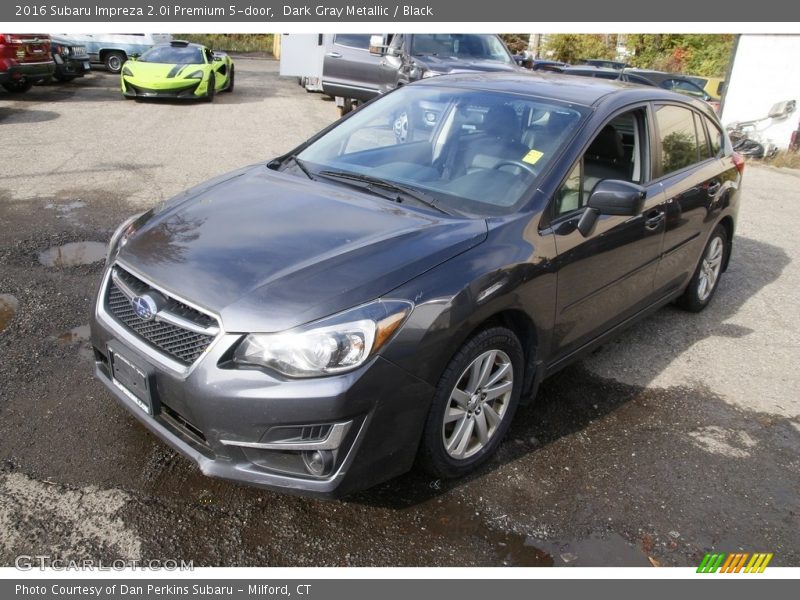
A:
(680, 437)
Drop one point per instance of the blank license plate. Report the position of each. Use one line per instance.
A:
(132, 380)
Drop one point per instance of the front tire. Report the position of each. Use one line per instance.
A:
(704, 282)
(474, 403)
(114, 61)
(212, 84)
(231, 80)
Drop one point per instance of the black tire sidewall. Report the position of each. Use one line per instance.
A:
(212, 82)
(690, 300)
(432, 456)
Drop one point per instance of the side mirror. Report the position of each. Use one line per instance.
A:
(376, 45)
(612, 197)
(134, 56)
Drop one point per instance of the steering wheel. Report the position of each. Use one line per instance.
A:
(519, 164)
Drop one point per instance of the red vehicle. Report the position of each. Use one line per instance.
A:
(24, 60)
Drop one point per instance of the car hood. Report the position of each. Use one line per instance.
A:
(269, 251)
(150, 70)
(452, 64)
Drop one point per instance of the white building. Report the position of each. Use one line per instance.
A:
(765, 71)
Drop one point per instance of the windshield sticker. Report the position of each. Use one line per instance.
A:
(532, 157)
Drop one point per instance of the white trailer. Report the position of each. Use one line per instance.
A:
(302, 55)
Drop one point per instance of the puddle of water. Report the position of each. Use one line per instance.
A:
(73, 254)
(76, 334)
(8, 308)
(606, 550)
(448, 517)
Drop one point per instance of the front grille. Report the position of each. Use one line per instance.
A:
(181, 344)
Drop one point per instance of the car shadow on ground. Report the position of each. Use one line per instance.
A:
(557, 412)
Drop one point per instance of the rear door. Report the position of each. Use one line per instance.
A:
(349, 70)
(607, 276)
(689, 165)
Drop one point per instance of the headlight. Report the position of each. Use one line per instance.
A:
(195, 75)
(333, 345)
(120, 237)
(426, 74)
(127, 72)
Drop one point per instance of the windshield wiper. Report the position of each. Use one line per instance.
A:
(370, 181)
(301, 165)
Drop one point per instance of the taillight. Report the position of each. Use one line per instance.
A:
(738, 162)
(2, 38)
(793, 142)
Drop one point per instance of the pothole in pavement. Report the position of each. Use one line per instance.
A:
(73, 254)
(8, 308)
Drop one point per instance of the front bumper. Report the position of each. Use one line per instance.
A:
(233, 422)
(34, 72)
(189, 89)
(69, 66)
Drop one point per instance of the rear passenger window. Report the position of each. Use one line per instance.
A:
(679, 142)
(352, 40)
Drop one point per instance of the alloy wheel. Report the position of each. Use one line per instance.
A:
(478, 404)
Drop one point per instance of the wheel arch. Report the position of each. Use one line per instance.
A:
(524, 328)
(103, 52)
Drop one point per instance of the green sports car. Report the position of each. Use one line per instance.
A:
(178, 70)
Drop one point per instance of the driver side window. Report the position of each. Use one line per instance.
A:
(616, 152)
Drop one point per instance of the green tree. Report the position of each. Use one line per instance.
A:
(572, 47)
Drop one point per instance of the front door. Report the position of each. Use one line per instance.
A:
(607, 275)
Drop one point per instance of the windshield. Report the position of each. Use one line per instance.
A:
(486, 47)
(173, 55)
(471, 151)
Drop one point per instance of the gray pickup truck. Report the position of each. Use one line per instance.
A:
(357, 67)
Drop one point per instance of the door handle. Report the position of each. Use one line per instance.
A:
(713, 188)
(384, 63)
(653, 219)
(333, 55)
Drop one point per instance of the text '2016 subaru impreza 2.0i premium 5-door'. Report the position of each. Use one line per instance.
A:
(386, 294)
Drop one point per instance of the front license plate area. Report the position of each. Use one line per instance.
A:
(134, 381)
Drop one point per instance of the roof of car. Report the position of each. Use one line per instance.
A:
(586, 91)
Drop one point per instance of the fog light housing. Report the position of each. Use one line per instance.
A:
(318, 462)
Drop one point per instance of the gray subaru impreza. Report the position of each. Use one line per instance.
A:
(389, 292)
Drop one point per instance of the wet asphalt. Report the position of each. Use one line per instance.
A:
(622, 459)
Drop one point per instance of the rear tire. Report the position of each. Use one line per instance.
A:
(474, 403)
(704, 282)
(18, 87)
(114, 61)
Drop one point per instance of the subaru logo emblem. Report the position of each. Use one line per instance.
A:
(145, 307)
